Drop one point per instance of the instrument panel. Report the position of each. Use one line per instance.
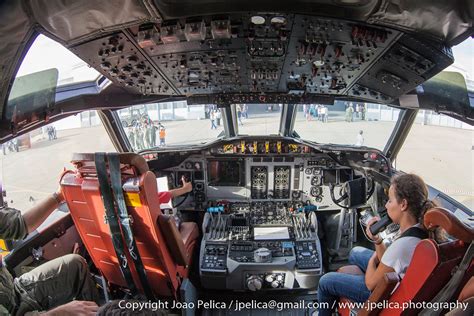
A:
(261, 200)
(275, 170)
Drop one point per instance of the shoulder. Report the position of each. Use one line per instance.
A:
(400, 248)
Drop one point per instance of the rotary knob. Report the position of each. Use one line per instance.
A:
(275, 284)
(262, 255)
(254, 283)
(270, 278)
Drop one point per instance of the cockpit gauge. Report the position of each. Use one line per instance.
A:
(188, 165)
(316, 180)
(316, 191)
(316, 171)
(295, 194)
(308, 171)
(199, 186)
(228, 148)
(293, 148)
(278, 20)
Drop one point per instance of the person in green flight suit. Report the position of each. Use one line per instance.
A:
(62, 286)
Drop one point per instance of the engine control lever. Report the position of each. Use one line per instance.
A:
(377, 227)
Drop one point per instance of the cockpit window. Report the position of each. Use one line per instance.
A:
(46, 66)
(439, 142)
(170, 124)
(347, 123)
(258, 119)
(30, 164)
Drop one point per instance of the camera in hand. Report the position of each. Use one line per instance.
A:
(379, 226)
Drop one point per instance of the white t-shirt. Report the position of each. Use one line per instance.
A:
(398, 255)
(360, 140)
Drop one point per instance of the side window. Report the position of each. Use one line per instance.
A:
(440, 149)
(31, 163)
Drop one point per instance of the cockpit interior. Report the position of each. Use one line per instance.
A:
(268, 215)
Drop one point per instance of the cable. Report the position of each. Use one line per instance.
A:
(182, 201)
(341, 198)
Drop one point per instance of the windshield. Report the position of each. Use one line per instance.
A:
(169, 124)
(258, 119)
(347, 123)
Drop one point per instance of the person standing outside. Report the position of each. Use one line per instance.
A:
(131, 136)
(324, 113)
(245, 112)
(218, 117)
(360, 138)
(239, 114)
(162, 136)
(363, 109)
(213, 119)
(349, 113)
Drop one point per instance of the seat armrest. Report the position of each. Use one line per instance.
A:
(381, 292)
(173, 239)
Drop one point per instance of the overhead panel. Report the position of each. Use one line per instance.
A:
(266, 58)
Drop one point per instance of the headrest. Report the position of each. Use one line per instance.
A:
(125, 158)
(441, 217)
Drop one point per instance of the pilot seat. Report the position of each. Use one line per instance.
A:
(165, 251)
(431, 268)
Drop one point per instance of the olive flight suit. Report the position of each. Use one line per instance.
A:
(54, 283)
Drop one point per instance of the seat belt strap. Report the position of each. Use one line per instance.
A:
(450, 288)
(112, 220)
(415, 232)
(125, 222)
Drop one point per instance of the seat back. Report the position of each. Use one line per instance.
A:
(82, 194)
(432, 264)
(429, 270)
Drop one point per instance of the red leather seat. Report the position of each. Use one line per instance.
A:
(429, 270)
(164, 266)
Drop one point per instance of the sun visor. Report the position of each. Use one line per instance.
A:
(449, 21)
(15, 30)
(444, 93)
(33, 93)
(69, 20)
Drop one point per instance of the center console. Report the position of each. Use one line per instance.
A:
(260, 246)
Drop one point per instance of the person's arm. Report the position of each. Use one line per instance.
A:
(187, 187)
(375, 272)
(378, 241)
(36, 215)
(81, 308)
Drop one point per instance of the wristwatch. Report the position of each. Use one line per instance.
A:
(56, 197)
